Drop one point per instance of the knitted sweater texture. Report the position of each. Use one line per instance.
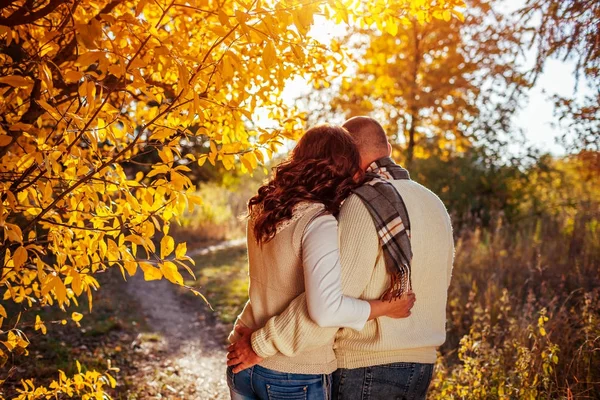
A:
(276, 278)
(291, 333)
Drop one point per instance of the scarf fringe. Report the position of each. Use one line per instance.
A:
(400, 285)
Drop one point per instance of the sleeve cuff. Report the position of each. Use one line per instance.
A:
(262, 345)
(364, 311)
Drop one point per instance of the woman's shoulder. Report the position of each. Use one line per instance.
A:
(298, 210)
(304, 209)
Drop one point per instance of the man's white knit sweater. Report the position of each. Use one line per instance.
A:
(383, 340)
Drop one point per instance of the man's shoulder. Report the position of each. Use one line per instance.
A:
(352, 202)
(353, 211)
(412, 188)
(353, 198)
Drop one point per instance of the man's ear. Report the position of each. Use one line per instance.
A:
(389, 149)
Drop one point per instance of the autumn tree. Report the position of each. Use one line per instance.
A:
(442, 87)
(88, 87)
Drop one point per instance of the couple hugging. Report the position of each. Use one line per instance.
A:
(349, 266)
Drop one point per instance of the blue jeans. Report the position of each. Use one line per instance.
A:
(398, 381)
(265, 384)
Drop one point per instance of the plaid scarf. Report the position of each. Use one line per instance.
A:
(391, 221)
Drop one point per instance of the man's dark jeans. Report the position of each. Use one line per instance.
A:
(398, 381)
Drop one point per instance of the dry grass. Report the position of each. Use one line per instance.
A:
(524, 314)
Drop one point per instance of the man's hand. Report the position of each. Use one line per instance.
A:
(240, 353)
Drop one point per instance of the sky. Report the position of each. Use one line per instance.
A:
(535, 119)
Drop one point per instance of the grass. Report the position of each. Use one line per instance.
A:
(104, 335)
(222, 278)
(523, 315)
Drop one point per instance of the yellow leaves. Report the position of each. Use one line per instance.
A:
(89, 33)
(181, 251)
(15, 339)
(218, 30)
(223, 18)
(5, 140)
(268, 56)
(17, 81)
(202, 159)
(167, 244)
(151, 273)
(542, 321)
(88, 385)
(131, 267)
(161, 134)
(445, 15)
(298, 53)
(241, 16)
(55, 284)
(113, 253)
(51, 110)
(158, 169)
(39, 325)
(5, 30)
(89, 58)
(303, 19)
(76, 282)
(20, 257)
(166, 155)
(169, 271)
(422, 16)
(13, 232)
(75, 316)
(249, 161)
(111, 381)
(46, 76)
(73, 75)
(228, 161)
(391, 27)
(87, 92)
(184, 78)
(227, 69)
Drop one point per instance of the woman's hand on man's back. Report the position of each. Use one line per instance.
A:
(394, 308)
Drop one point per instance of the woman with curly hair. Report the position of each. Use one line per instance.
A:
(292, 240)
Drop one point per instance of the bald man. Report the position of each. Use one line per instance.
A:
(388, 358)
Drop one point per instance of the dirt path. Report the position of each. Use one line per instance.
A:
(183, 355)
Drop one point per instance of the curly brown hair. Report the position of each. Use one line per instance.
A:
(324, 167)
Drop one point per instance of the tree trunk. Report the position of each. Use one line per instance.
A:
(414, 109)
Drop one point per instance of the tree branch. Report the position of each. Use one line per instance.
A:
(5, 3)
(20, 18)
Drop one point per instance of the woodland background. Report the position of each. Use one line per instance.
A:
(133, 132)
